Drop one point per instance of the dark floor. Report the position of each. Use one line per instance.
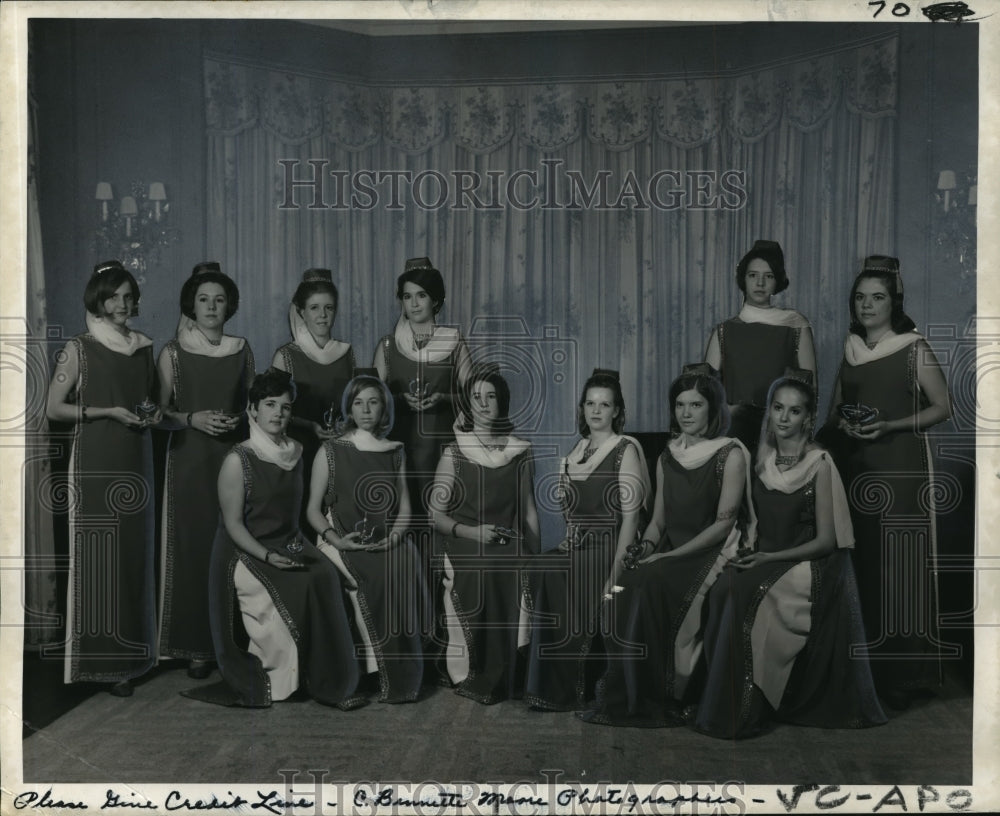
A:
(159, 736)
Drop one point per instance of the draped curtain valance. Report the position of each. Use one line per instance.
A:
(682, 111)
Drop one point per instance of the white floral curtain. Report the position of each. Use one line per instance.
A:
(637, 286)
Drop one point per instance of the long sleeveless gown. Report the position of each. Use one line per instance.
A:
(653, 641)
(890, 490)
(191, 495)
(779, 636)
(567, 652)
(110, 625)
(309, 600)
(485, 584)
(385, 587)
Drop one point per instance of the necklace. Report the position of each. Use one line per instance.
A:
(787, 461)
(420, 339)
(492, 446)
(209, 339)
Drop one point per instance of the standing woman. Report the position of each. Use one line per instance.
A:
(103, 385)
(784, 616)
(604, 485)
(483, 506)
(754, 348)
(425, 366)
(288, 594)
(358, 499)
(320, 365)
(204, 377)
(889, 368)
(701, 512)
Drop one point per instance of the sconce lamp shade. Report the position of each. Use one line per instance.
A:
(946, 180)
(157, 192)
(128, 206)
(104, 191)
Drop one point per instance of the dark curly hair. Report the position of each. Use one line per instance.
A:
(271, 383)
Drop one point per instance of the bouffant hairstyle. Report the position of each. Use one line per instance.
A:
(769, 251)
(314, 285)
(900, 321)
(208, 273)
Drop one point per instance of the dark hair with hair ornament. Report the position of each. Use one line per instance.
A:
(315, 281)
(884, 269)
(105, 280)
(420, 272)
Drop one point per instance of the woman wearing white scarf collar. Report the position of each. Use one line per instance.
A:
(425, 366)
(701, 512)
(204, 377)
(483, 507)
(604, 489)
(359, 504)
(289, 595)
(320, 365)
(755, 347)
(783, 618)
(104, 380)
(890, 368)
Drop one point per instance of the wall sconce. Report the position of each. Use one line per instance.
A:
(137, 230)
(955, 228)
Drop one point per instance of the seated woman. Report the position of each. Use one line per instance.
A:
(603, 485)
(287, 591)
(653, 620)
(358, 499)
(484, 512)
(783, 617)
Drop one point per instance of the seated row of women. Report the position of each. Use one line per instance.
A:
(789, 601)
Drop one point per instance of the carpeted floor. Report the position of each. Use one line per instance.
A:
(159, 736)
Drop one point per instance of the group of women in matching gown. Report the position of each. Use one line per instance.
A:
(359, 533)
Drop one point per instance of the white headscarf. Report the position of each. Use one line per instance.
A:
(285, 453)
(331, 351)
(442, 343)
(194, 341)
(109, 337)
(773, 316)
(856, 352)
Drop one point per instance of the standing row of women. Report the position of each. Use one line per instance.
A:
(632, 614)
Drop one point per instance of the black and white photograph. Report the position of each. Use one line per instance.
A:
(499, 407)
